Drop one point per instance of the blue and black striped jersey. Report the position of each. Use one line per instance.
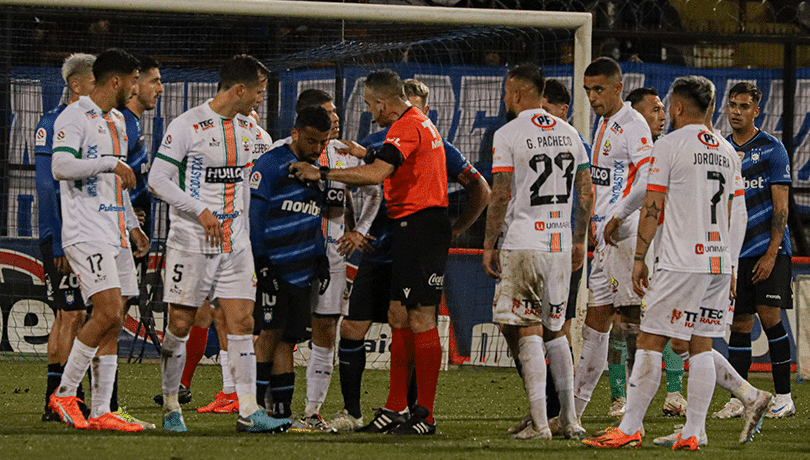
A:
(285, 217)
(765, 163)
(138, 160)
(48, 199)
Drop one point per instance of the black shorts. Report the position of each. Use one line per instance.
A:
(65, 293)
(371, 292)
(288, 311)
(776, 291)
(419, 249)
(571, 309)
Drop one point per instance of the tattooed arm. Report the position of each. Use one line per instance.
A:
(647, 225)
(582, 217)
(779, 196)
(501, 189)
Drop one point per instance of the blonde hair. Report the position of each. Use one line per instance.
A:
(77, 64)
(414, 87)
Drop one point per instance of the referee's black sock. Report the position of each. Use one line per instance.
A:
(739, 352)
(779, 347)
(282, 387)
(352, 363)
(263, 371)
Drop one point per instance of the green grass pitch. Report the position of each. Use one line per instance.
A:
(474, 407)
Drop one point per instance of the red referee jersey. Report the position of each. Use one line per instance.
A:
(421, 181)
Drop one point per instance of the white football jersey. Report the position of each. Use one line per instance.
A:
(622, 145)
(92, 208)
(699, 175)
(262, 143)
(211, 153)
(543, 153)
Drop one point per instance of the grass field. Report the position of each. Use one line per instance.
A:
(474, 408)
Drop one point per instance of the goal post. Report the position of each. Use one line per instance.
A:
(462, 54)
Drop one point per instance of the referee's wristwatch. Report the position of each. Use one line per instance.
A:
(324, 170)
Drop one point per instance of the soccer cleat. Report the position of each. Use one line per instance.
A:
(531, 433)
(223, 403)
(384, 421)
(344, 421)
(754, 414)
(574, 431)
(122, 412)
(68, 409)
(521, 424)
(614, 438)
(675, 405)
(260, 422)
(50, 416)
(113, 422)
(669, 440)
(733, 409)
(690, 443)
(782, 407)
(617, 407)
(183, 396)
(173, 421)
(312, 424)
(417, 423)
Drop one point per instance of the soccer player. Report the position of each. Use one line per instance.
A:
(537, 160)
(411, 163)
(619, 173)
(289, 252)
(61, 283)
(98, 223)
(693, 178)
(764, 286)
(369, 298)
(648, 104)
(198, 170)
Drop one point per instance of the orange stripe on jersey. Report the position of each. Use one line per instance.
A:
(116, 144)
(739, 192)
(554, 243)
(503, 169)
(598, 144)
(715, 266)
(656, 188)
(231, 156)
(119, 201)
(631, 176)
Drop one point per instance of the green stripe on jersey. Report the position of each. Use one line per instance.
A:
(583, 166)
(170, 160)
(68, 150)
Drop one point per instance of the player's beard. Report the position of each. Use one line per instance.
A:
(510, 115)
(122, 98)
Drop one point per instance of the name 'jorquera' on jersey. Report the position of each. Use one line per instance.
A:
(699, 175)
(543, 153)
(211, 154)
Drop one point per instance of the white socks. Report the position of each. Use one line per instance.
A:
(75, 368)
(699, 393)
(242, 364)
(319, 375)
(103, 375)
(591, 365)
(533, 358)
(172, 360)
(227, 377)
(729, 379)
(561, 366)
(641, 388)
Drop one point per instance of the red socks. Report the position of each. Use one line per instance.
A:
(195, 349)
(428, 362)
(400, 372)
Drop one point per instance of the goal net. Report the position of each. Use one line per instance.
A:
(461, 54)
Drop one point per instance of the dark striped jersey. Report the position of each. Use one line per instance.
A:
(765, 163)
(48, 200)
(285, 217)
(138, 160)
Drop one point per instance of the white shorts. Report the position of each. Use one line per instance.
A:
(332, 301)
(191, 277)
(612, 272)
(680, 305)
(102, 266)
(533, 288)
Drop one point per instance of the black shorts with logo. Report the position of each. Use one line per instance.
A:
(62, 289)
(419, 249)
(371, 292)
(287, 310)
(776, 291)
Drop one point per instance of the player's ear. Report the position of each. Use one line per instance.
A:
(294, 133)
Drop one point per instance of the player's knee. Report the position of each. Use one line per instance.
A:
(742, 323)
(354, 330)
(679, 346)
(241, 326)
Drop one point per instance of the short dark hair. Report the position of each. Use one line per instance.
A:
(386, 82)
(637, 95)
(146, 63)
(531, 74)
(113, 61)
(556, 92)
(242, 68)
(745, 87)
(605, 67)
(311, 97)
(697, 89)
(314, 116)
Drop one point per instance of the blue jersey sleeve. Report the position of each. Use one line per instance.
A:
(262, 178)
(780, 164)
(48, 202)
(138, 160)
(374, 140)
(456, 162)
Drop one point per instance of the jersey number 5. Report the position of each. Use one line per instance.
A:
(542, 164)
